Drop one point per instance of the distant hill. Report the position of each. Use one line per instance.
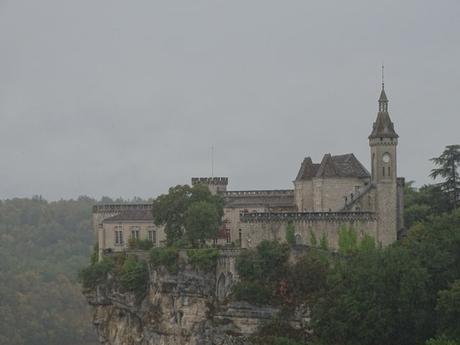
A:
(42, 247)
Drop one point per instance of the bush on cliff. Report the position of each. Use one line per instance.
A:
(134, 275)
(95, 274)
(204, 259)
(167, 257)
(278, 332)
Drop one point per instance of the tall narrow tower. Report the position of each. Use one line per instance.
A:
(383, 142)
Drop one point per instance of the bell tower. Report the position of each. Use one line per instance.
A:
(383, 142)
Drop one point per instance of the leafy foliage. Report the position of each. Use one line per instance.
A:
(140, 244)
(448, 308)
(420, 204)
(443, 340)
(268, 278)
(43, 246)
(134, 275)
(447, 168)
(95, 274)
(204, 259)
(389, 295)
(167, 257)
(202, 220)
(290, 234)
(278, 332)
(184, 206)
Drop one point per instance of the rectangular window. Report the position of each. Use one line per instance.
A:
(383, 171)
(153, 236)
(135, 232)
(118, 236)
(389, 171)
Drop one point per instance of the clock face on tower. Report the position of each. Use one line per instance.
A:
(386, 158)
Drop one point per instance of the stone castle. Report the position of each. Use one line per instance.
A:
(338, 192)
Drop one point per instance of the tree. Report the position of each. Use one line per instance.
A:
(447, 168)
(449, 311)
(171, 209)
(202, 221)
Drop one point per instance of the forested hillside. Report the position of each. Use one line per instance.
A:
(42, 247)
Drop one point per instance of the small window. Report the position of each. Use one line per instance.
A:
(118, 236)
(240, 237)
(383, 171)
(153, 236)
(389, 171)
(135, 230)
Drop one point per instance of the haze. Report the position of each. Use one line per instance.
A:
(126, 98)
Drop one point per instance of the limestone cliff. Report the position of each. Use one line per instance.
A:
(177, 309)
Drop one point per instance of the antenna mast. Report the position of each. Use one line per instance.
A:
(212, 161)
(383, 76)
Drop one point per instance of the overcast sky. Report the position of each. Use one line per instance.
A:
(126, 98)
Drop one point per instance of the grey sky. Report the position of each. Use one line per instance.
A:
(125, 98)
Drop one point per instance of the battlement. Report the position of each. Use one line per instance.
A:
(257, 217)
(120, 207)
(259, 193)
(221, 181)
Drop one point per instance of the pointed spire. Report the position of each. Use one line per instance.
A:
(383, 127)
(383, 100)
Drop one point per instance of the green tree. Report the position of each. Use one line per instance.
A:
(447, 168)
(171, 209)
(449, 311)
(202, 220)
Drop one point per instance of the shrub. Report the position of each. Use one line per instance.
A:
(96, 273)
(204, 259)
(441, 341)
(290, 234)
(140, 244)
(167, 257)
(278, 332)
(134, 275)
(308, 276)
(313, 240)
(95, 254)
(252, 292)
(348, 240)
(324, 242)
(273, 341)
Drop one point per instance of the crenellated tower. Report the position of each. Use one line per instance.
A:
(383, 142)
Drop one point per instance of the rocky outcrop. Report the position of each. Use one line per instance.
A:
(177, 309)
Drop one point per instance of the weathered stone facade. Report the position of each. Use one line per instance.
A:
(327, 196)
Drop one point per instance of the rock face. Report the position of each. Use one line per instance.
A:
(178, 309)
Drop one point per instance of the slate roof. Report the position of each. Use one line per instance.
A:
(346, 165)
(383, 127)
(132, 215)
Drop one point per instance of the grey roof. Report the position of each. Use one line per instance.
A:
(383, 127)
(346, 165)
(132, 215)
(383, 96)
(307, 170)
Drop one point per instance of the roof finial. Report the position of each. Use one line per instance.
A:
(383, 76)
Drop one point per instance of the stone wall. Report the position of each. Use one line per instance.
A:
(257, 227)
(106, 234)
